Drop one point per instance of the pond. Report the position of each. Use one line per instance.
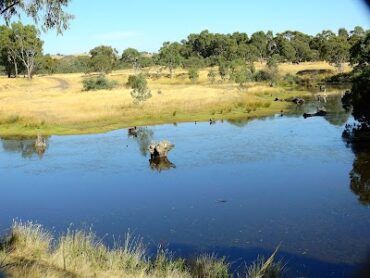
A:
(237, 189)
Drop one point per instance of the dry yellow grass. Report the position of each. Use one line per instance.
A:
(57, 105)
(294, 68)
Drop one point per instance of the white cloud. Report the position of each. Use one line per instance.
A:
(116, 36)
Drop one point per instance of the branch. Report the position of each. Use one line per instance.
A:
(10, 6)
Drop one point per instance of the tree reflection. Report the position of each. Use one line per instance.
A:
(25, 146)
(357, 135)
(337, 115)
(143, 136)
(358, 138)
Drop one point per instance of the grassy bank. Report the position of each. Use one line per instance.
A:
(56, 105)
(30, 251)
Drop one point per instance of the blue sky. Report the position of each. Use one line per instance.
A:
(146, 24)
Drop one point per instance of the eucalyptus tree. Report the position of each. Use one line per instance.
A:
(131, 56)
(260, 41)
(103, 58)
(24, 45)
(50, 13)
(170, 57)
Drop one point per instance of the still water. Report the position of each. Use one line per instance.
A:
(237, 189)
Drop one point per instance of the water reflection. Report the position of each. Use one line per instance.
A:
(143, 136)
(336, 115)
(26, 146)
(161, 164)
(357, 137)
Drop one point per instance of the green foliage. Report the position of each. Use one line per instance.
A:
(193, 74)
(291, 79)
(50, 11)
(223, 69)
(98, 83)
(228, 51)
(194, 62)
(46, 64)
(20, 47)
(360, 51)
(242, 75)
(103, 59)
(139, 86)
(170, 56)
(73, 64)
(131, 56)
(212, 76)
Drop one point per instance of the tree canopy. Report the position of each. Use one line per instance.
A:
(51, 13)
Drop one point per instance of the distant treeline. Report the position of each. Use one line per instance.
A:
(197, 51)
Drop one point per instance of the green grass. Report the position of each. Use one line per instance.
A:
(31, 251)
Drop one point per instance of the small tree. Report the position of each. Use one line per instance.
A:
(212, 76)
(26, 45)
(242, 75)
(224, 70)
(272, 69)
(131, 56)
(103, 59)
(139, 86)
(193, 74)
(169, 56)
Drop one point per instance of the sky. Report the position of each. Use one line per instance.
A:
(146, 24)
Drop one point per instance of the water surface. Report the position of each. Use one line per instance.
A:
(234, 188)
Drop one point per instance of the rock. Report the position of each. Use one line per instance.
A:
(160, 150)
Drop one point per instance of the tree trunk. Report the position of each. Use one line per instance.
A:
(29, 72)
(15, 68)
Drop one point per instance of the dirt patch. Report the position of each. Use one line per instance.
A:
(62, 83)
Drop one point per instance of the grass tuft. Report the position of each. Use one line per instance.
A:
(30, 251)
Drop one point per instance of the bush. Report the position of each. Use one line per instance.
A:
(193, 74)
(291, 79)
(139, 86)
(98, 83)
(212, 76)
(223, 70)
(262, 75)
(241, 76)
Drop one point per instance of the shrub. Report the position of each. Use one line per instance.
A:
(241, 76)
(291, 79)
(261, 75)
(224, 70)
(98, 83)
(211, 76)
(193, 74)
(139, 86)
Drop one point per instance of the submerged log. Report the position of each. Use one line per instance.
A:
(319, 113)
(160, 149)
(40, 144)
